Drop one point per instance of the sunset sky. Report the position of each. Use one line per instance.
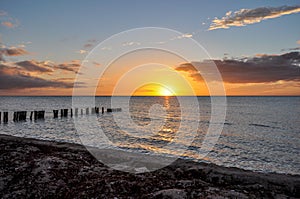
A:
(254, 44)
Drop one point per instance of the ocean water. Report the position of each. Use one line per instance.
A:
(259, 133)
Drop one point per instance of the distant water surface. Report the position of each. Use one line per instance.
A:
(260, 133)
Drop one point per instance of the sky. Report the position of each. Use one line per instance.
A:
(254, 44)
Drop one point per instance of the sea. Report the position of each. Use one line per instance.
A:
(258, 133)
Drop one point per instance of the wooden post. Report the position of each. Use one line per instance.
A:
(61, 112)
(39, 115)
(15, 117)
(87, 111)
(5, 117)
(97, 110)
(19, 116)
(0, 117)
(22, 116)
(102, 109)
(31, 114)
(35, 115)
(110, 110)
(76, 111)
(71, 112)
(65, 112)
(42, 115)
(55, 113)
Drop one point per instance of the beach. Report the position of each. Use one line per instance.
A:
(149, 99)
(32, 168)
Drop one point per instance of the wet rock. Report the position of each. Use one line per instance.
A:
(170, 193)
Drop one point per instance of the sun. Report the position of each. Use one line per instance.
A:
(154, 89)
(165, 92)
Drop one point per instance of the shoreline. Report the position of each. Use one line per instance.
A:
(40, 169)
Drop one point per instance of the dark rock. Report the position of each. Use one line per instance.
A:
(170, 193)
(32, 168)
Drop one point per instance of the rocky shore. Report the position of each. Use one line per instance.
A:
(32, 168)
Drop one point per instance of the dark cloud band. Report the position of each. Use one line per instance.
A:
(263, 69)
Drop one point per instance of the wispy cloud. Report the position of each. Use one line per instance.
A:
(3, 13)
(250, 16)
(131, 43)
(72, 66)
(8, 21)
(87, 46)
(8, 24)
(12, 51)
(82, 51)
(90, 43)
(186, 35)
(34, 66)
(262, 69)
(291, 49)
(97, 64)
(106, 48)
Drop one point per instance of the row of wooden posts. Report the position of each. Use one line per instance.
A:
(36, 115)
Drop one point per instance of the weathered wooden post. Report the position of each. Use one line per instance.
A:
(110, 110)
(65, 112)
(19, 116)
(39, 115)
(55, 113)
(42, 115)
(61, 112)
(71, 112)
(35, 115)
(5, 117)
(15, 117)
(87, 111)
(76, 111)
(31, 114)
(22, 116)
(102, 109)
(97, 110)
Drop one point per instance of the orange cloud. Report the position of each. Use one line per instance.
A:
(7, 20)
(12, 51)
(8, 24)
(250, 16)
(72, 66)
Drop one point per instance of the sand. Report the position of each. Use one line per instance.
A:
(33, 168)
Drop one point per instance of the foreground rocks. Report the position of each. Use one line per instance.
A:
(41, 169)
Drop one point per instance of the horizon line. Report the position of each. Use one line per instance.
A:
(150, 96)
